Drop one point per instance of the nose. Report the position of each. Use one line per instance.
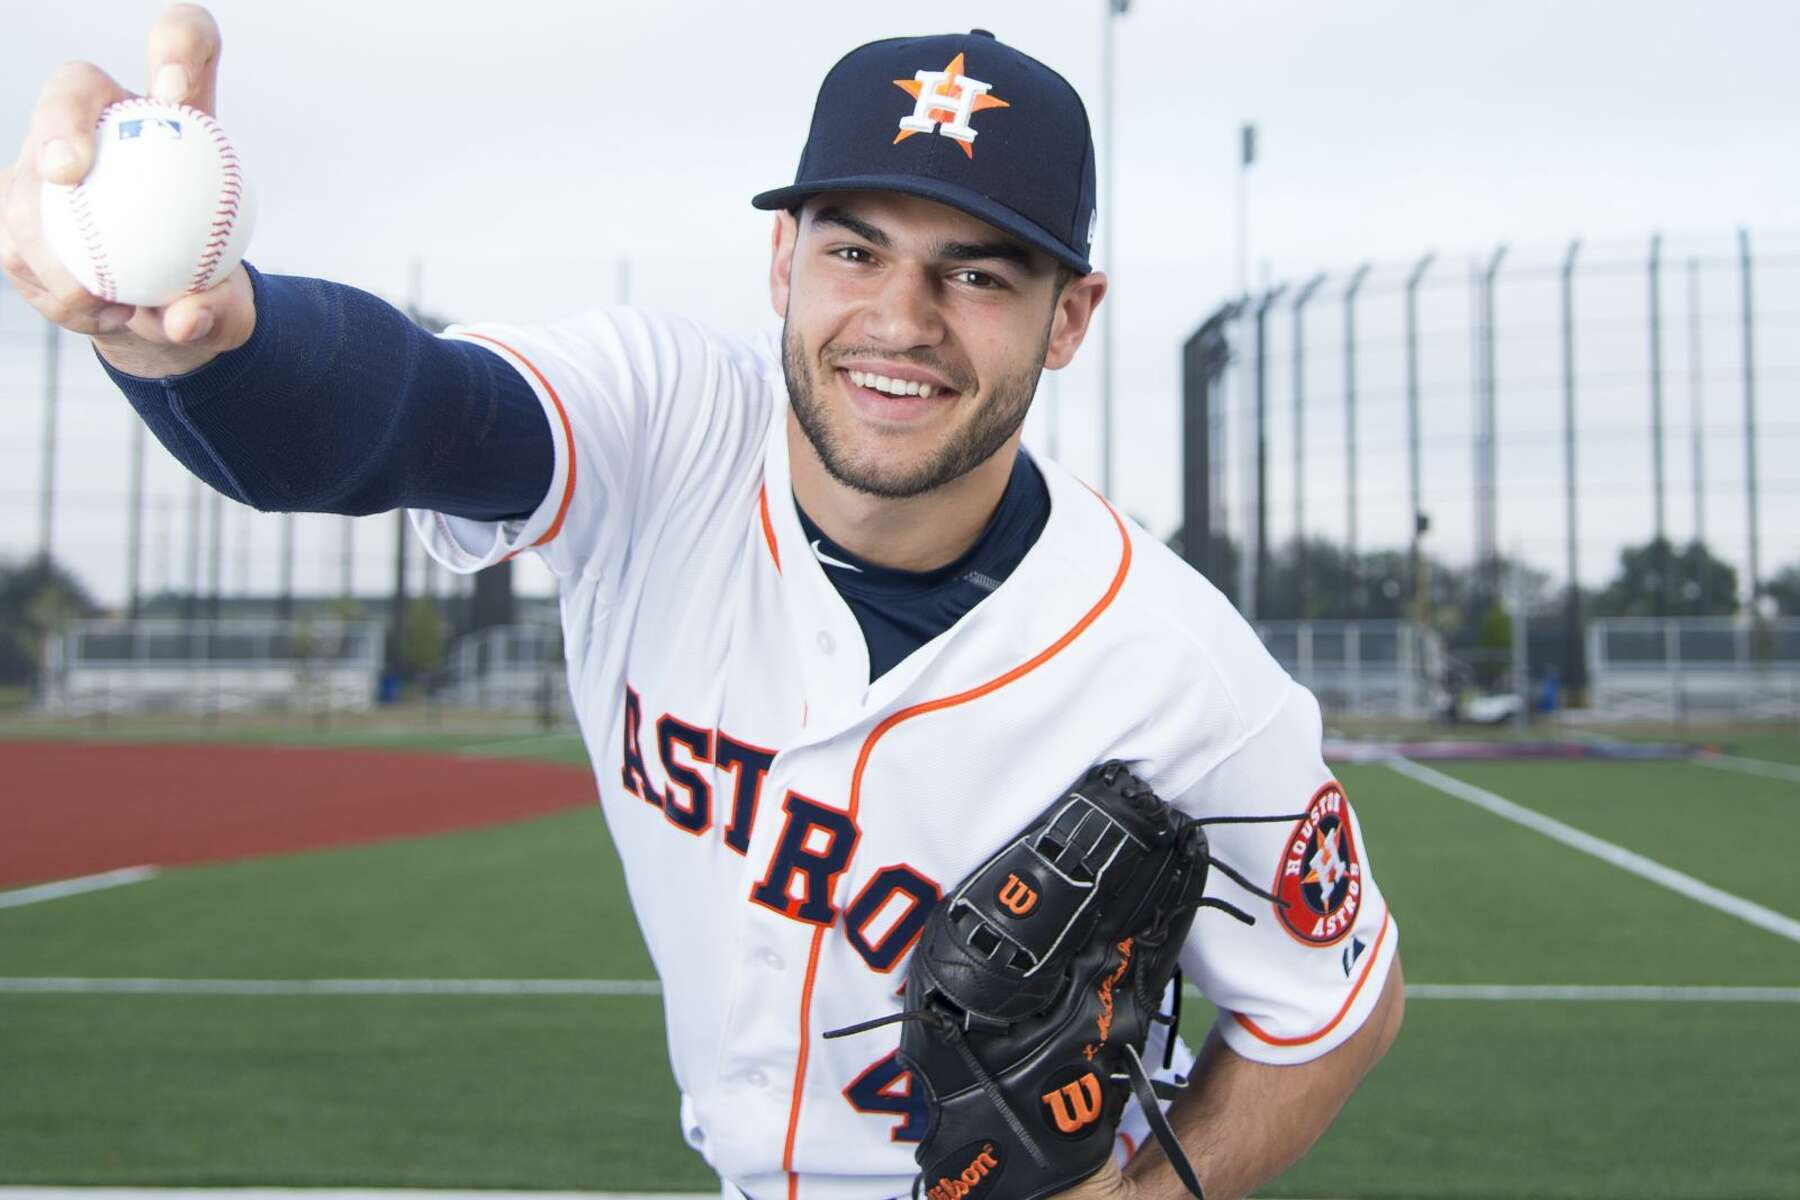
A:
(904, 312)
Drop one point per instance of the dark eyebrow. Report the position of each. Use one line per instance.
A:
(996, 250)
(1002, 251)
(861, 228)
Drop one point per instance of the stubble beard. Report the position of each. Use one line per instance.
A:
(963, 449)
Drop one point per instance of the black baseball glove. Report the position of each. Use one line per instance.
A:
(1033, 988)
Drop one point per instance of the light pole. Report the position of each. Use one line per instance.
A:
(1109, 188)
(1246, 381)
(47, 503)
(1418, 523)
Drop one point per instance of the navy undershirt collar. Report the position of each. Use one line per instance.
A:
(899, 611)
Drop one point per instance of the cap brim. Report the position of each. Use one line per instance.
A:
(973, 203)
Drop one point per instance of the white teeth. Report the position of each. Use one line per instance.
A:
(893, 387)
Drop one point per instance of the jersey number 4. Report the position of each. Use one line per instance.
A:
(886, 1087)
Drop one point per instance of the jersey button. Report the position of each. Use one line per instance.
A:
(756, 1079)
(826, 644)
(771, 960)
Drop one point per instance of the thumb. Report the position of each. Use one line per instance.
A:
(224, 315)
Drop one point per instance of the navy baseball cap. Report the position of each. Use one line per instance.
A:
(963, 119)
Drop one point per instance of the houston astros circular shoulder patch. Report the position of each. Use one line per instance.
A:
(1320, 876)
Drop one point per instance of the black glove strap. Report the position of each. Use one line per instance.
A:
(1144, 1089)
(994, 1093)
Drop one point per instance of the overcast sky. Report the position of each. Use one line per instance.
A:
(521, 151)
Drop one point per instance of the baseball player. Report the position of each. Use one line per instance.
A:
(833, 635)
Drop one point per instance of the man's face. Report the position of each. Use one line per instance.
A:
(914, 336)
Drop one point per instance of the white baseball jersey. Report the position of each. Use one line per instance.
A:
(786, 825)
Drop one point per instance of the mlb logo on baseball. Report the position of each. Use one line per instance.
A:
(130, 130)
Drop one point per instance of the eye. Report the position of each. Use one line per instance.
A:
(852, 254)
(978, 279)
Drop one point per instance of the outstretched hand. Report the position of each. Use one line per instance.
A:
(183, 68)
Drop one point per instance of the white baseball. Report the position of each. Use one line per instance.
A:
(164, 210)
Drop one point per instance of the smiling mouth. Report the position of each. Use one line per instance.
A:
(894, 387)
(886, 399)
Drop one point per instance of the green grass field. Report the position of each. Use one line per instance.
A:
(1478, 1099)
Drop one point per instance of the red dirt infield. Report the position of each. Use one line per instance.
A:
(78, 808)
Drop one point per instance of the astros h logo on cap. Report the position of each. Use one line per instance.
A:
(946, 101)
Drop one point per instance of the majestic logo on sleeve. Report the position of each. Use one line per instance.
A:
(943, 102)
(1320, 877)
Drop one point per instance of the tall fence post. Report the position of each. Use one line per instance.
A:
(1204, 357)
(1696, 390)
(52, 385)
(1356, 282)
(1574, 669)
(1659, 545)
(284, 600)
(134, 532)
(1259, 556)
(190, 608)
(1302, 578)
(215, 569)
(1750, 488)
(1487, 477)
(1417, 519)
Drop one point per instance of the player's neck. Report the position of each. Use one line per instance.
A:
(918, 533)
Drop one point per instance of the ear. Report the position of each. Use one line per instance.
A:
(781, 260)
(1074, 313)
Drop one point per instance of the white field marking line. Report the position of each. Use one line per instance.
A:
(105, 1193)
(1787, 772)
(1618, 856)
(50, 986)
(1535, 992)
(74, 887)
(1541, 991)
(72, 986)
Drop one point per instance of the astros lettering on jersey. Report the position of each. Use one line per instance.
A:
(786, 825)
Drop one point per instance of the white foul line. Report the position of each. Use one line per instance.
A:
(1577, 991)
(1787, 772)
(74, 887)
(75, 986)
(1618, 856)
(265, 1193)
(71, 986)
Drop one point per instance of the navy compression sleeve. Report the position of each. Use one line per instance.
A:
(338, 403)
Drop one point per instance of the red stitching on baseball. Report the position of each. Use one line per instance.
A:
(96, 249)
(230, 192)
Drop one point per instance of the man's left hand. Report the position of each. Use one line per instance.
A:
(1105, 1184)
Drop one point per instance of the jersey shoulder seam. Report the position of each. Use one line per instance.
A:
(1249, 735)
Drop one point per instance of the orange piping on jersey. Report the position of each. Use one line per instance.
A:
(862, 761)
(562, 415)
(1332, 1024)
(762, 502)
(812, 969)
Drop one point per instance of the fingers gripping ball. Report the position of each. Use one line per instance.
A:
(164, 210)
